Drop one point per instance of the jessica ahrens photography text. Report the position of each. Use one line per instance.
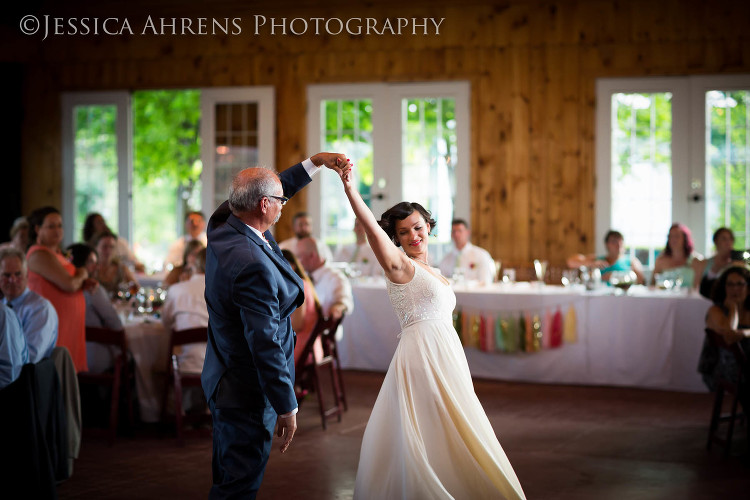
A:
(49, 26)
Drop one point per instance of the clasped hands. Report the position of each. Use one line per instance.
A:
(337, 162)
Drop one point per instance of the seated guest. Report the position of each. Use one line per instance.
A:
(474, 263)
(306, 315)
(725, 256)
(184, 270)
(96, 225)
(614, 260)
(302, 227)
(185, 307)
(59, 281)
(111, 272)
(35, 313)
(360, 253)
(99, 309)
(331, 285)
(730, 318)
(13, 351)
(678, 256)
(100, 312)
(195, 229)
(19, 235)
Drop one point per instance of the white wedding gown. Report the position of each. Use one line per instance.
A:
(428, 436)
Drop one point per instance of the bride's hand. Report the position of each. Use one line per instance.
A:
(347, 174)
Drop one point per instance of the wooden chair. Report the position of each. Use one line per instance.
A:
(112, 378)
(331, 349)
(307, 368)
(177, 380)
(731, 387)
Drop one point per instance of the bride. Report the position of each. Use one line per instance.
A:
(428, 436)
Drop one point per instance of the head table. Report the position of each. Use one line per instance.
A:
(646, 338)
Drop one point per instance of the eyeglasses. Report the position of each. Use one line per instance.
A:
(282, 199)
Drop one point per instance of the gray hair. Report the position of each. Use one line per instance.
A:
(249, 186)
(12, 252)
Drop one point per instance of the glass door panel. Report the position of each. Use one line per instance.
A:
(727, 160)
(429, 157)
(346, 126)
(641, 175)
(95, 165)
(237, 130)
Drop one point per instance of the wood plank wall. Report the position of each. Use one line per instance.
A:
(532, 66)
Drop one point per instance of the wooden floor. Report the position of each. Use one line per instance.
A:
(565, 442)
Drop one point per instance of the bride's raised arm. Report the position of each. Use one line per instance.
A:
(393, 261)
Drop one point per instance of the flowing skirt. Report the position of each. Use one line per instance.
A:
(428, 436)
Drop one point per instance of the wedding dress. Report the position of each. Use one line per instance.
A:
(428, 436)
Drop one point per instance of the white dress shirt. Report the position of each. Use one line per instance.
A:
(475, 262)
(185, 307)
(332, 287)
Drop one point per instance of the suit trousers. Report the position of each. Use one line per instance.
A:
(241, 447)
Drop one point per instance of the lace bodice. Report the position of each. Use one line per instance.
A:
(424, 297)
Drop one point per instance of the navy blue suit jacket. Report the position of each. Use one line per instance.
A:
(251, 291)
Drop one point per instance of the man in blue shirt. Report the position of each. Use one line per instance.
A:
(13, 351)
(36, 314)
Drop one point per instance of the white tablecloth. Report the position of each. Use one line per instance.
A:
(648, 339)
(148, 341)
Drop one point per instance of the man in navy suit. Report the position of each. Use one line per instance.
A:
(251, 291)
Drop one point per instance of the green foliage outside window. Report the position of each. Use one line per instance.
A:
(166, 167)
(728, 162)
(96, 165)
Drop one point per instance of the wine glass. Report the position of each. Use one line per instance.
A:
(458, 276)
(540, 268)
(622, 281)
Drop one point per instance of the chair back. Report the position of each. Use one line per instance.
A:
(328, 337)
(189, 336)
(107, 336)
(323, 328)
(182, 337)
(176, 379)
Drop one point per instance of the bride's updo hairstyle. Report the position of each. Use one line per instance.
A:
(400, 212)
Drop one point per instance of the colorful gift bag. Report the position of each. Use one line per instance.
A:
(536, 333)
(571, 326)
(501, 326)
(557, 329)
(547, 330)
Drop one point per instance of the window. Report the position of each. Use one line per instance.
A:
(672, 150)
(96, 160)
(143, 160)
(727, 160)
(407, 141)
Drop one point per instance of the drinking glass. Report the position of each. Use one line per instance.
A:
(622, 281)
(540, 268)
